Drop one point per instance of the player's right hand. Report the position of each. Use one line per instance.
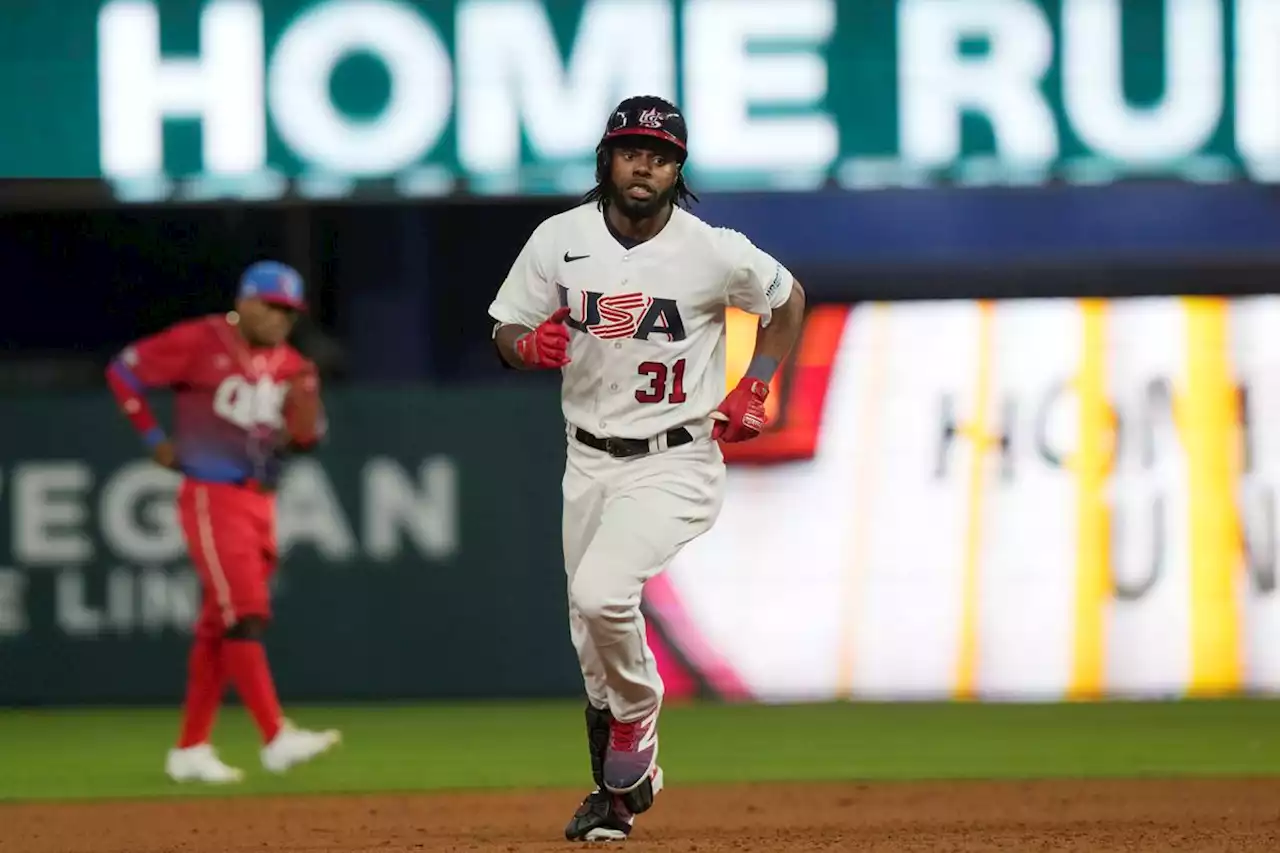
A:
(165, 455)
(546, 347)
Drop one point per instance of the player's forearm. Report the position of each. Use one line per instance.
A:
(774, 341)
(128, 391)
(506, 339)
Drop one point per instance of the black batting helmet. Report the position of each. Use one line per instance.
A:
(648, 115)
(643, 116)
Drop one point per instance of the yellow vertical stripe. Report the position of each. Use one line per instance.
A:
(870, 416)
(981, 441)
(1210, 433)
(740, 343)
(1090, 466)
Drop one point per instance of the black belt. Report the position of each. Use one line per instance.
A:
(624, 447)
(253, 484)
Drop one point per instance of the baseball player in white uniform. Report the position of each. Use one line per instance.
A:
(625, 294)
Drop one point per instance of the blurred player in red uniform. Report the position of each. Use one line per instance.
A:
(243, 399)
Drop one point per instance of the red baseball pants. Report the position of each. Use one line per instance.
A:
(230, 533)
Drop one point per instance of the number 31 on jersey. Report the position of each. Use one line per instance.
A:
(659, 376)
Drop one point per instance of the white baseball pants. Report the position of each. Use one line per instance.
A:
(624, 520)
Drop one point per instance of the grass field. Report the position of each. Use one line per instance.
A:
(119, 753)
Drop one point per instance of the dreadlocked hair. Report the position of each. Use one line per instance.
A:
(599, 194)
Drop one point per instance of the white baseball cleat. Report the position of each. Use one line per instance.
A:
(292, 746)
(200, 763)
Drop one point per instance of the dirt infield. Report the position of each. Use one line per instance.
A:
(1034, 816)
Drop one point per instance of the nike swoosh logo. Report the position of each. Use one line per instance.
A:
(568, 258)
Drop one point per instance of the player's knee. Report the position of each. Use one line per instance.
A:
(598, 602)
(247, 628)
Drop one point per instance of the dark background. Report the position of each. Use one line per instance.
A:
(400, 290)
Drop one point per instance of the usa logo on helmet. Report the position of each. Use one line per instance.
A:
(652, 118)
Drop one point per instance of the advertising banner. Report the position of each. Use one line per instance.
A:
(329, 98)
(1037, 499)
(420, 554)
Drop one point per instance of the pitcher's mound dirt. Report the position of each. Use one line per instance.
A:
(1034, 816)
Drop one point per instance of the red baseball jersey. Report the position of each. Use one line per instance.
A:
(228, 397)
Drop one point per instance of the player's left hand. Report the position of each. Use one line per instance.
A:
(741, 417)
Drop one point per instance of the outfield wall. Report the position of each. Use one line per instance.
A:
(1038, 499)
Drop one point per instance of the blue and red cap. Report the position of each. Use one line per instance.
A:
(274, 282)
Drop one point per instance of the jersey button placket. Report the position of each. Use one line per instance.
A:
(613, 386)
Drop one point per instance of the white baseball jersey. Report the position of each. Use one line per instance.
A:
(647, 331)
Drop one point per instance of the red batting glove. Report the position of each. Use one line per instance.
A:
(546, 347)
(741, 417)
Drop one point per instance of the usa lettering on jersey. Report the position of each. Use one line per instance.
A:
(624, 315)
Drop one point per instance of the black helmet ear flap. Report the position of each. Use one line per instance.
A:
(602, 163)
